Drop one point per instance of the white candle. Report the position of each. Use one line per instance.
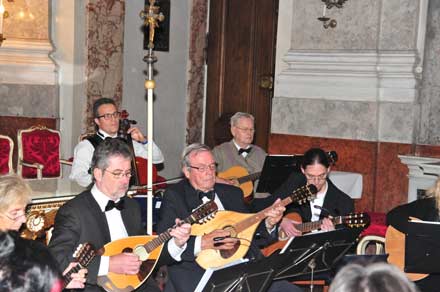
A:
(324, 9)
(2, 10)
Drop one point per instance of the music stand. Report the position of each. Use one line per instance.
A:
(244, 277)
(276, 169)
(422, 247)
(313, 253)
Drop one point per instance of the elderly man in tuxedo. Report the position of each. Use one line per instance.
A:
(199, 168)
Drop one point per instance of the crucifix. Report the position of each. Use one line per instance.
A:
(152, 16)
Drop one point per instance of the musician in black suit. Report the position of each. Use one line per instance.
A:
(330, 201)
(199, 168)
(103, 214)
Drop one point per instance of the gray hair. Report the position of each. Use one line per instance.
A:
(13, 190)
(377, 277)
(189, 150)
(108, 148)
(238, 115)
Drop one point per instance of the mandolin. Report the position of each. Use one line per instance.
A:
(83, 255)
(148, 248)
(353, 220)
(241, 226)
(240, 175)
(395, 248)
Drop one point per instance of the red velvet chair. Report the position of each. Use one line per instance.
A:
(6, 148)
(39, 153)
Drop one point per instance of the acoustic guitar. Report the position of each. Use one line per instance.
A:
(395, 248)
(240, 175)
(244, 180)
(241, 226)
(353, 220)
(148, 248)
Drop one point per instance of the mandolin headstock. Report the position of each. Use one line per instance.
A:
(204, 212)
(304, 194)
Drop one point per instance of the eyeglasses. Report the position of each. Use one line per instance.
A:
(14, 217)
(118, 174)
(246, 129)
(320, 177)
(109, 116)
(204, 168)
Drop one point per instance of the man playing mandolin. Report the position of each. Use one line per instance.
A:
(330, 201)
(104, 214)
(107, 122)
(199, 168)
(240, 151)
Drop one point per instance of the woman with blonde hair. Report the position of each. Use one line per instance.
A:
(20, 268)
(427, 208)
(15, 194)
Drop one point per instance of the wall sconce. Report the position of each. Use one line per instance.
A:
(328, 4)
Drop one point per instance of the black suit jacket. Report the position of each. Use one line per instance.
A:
(178, 202)
(81, 220)
(336, 201)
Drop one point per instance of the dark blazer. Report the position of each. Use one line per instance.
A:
(423, 209)
(81, 220)
(178, 202)
(336, 201)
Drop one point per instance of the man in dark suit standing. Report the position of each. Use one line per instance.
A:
(199, 168)
(103, 214)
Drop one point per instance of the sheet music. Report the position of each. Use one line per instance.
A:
(423, 222)
(208, 273)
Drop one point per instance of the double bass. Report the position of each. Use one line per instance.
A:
(138, 164)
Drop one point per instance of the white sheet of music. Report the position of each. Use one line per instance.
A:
(208, 273)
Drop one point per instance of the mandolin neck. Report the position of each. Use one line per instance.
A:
(251, 220)
(310, 226)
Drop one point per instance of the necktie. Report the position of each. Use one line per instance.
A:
(111, 204)
(241, 150)
(210, 194)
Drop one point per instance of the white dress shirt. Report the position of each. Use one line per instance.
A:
(83, 153)
(118, 231)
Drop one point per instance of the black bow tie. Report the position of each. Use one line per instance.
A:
(111, 204)
(241, 150)
(210, 195)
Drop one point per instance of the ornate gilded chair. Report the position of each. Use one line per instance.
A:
(6, 148)
(39, 153)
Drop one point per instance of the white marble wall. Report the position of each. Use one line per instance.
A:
(356, 81)
(430, 93)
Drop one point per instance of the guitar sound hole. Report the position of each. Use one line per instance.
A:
(228, 253)
(127, 249)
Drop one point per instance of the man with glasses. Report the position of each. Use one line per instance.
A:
(199, 168)
(330, 201)
(104, 214)
(107, 123)
(240, 151)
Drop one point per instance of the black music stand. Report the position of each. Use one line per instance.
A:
(253, 276)
(314, 253)
(422, 247)
(276, 170)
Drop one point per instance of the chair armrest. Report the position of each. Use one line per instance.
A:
(38, 166)
(66, 162)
